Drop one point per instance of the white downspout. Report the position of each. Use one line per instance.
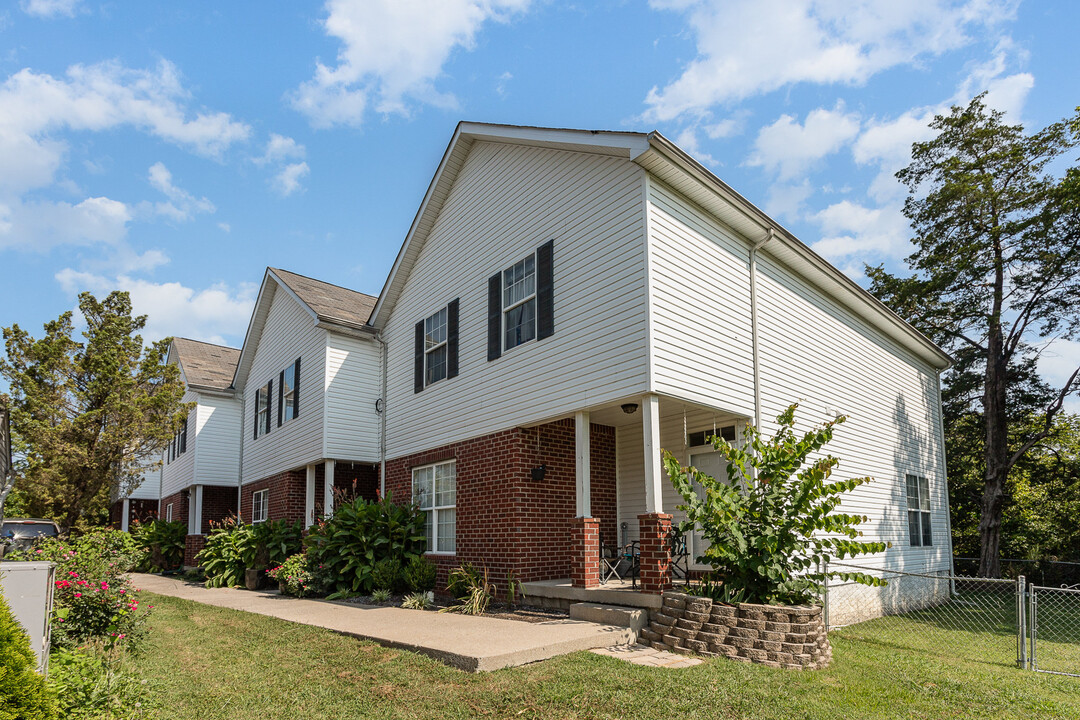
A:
(240, 465)
(754, 326)
(382, 418)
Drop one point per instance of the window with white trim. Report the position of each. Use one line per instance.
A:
(519, 302)
(918, 502)
(289, 404)
(435, 347)
(262, 414)
(435, 492)
(260, 499)
(168, 513)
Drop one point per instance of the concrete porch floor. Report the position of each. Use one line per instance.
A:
(474, 644)
(562, 594)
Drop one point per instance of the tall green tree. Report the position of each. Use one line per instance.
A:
(997, 271)
(88, 415)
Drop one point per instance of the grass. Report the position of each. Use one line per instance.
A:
(209, 663)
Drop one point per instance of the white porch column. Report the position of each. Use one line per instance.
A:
(126, 513)
(583, 460)
(309, 498)
(650, 422)
(328, 489)
(195, 514)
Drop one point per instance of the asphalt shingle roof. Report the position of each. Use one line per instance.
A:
(331, 303)
(205, 364)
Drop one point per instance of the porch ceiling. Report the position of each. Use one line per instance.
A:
(671, 409)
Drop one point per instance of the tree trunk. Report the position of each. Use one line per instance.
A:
(996, 456)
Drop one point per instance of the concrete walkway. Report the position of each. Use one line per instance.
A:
(474, 644)
(642, 655)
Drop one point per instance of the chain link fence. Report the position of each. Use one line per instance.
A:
(1054, 626)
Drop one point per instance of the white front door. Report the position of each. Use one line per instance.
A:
(712, 464)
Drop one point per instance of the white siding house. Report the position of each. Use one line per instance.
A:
(677, 307)
(303, 437)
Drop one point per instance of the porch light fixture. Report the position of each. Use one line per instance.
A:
(629, 408)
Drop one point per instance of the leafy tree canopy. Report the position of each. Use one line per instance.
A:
(90, 415)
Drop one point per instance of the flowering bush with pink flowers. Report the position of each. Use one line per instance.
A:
(301, 576)
(93, 597)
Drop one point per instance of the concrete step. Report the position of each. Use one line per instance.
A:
(628, 617)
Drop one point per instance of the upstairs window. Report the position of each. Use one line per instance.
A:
(435, 355)
(918, 502)
(289, 393)
(262, 409)
(519, 303)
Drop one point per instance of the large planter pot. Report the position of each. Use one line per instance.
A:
(254, 579)
(785, 636)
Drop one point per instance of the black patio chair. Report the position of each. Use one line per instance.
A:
(680, 555)
(610, 559)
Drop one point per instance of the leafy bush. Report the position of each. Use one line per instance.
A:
(23, 693)
(163, 542)
(385, 573)
(124, 549)
(380, 595)
(274, 542)
(93, 598)
(418, 601)
(301, 576)
(475, 590)
(419, 574)
(90, 686)
(361, 533)
(229, 548)
(765, 528)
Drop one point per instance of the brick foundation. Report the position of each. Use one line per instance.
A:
(286, 499)
(192, 545)
(655, 559)
(505, 519)
(791, 637)
(180, 507)
(585, 561)
(219, 503)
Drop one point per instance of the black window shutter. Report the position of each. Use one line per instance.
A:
(545, 290)
(280, 397)
(183, 437)
(494, 317)
(255, 424)
(452, 338)
(296, 390)
(269, 402)
(418, 359)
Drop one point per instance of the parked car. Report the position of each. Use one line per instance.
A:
(20, 533)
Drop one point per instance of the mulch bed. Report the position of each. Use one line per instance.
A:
(521, 613)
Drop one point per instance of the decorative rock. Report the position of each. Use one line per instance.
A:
(755, 655)
(793, 648)
(772, 636)
(709, 637)
(659, 629)
(768, 646)
(664, 619)
(714, 629)
(698, 617)
(685, 624)
(779, 627)
(769, 663)
(727, 621)
(779, 617)
(742, 643)
(751, 624)
(697, 645)
(699, 604)
(719, 611)
(740, 632)
(649, 635)
(682, 633)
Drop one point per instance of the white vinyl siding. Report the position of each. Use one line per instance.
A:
(149, 487)
(507, 201)
(178, 472)
(217, 460)
(700, 284)
(352, 386)
(289, 332)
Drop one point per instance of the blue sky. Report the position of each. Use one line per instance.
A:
(177, 149)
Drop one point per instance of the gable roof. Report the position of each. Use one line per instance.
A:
(204, 364)
(330, 306)
(669, 163)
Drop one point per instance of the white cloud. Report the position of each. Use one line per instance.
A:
(851, 229)
(41, 225)
(210, 314)
(787, 200)
(280, 148)
(752, 47)
(287, 181)
(182, 205)
(1058, 359)
(790, 149)
(224, 227)
(50, 8)
(392, 51)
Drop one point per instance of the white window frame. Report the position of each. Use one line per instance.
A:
(262, 415)
(260, 500)
(429, 351)
(507, 308)
(432, 510)
(288, 399)
(168, 512)
(922, 509)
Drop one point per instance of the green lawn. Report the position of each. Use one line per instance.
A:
(204, 662)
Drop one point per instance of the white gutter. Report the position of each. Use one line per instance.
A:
(382, 417)
(754, 325)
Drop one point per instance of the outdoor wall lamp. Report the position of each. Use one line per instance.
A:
(629, 408)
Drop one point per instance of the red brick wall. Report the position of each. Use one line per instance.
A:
(180, 507)
(218, 504)
(286, 499)
(192, 545)
(505, 519)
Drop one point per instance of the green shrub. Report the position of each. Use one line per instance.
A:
(229, 549)
(124, 549)
(419, 574)
(163, 543)
(380, 595)
(93, 597)
(475, 590)
(771, 528)
(274, 542)
(301, 576)
(361, 533)
(417, 601)
(90, 686)
(386, 573)
(23, 693)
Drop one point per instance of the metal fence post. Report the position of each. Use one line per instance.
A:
(1021, 623)
(1033, 624)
